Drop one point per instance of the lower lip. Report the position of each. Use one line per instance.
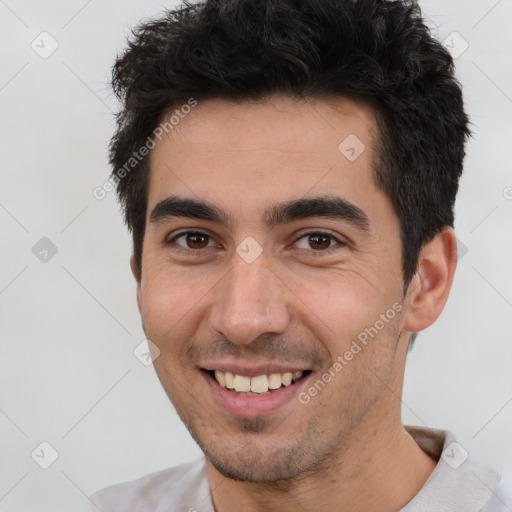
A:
(252, 406)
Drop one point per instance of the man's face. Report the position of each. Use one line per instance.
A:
(281, 285)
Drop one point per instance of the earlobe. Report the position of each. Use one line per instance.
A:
(430, 287)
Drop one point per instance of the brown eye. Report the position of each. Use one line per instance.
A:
(319, 241)
(197, 240)
(192, 240)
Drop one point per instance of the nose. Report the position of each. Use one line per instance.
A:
(250, 300)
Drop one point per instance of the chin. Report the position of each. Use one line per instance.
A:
(258, 458)
(260, 469)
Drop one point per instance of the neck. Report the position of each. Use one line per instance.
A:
(378, 467)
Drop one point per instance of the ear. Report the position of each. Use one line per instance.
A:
(136, 274)
(428, 291)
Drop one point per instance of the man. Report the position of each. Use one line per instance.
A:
(288, 170)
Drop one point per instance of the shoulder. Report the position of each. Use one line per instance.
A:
(458, 483)
(180, 488)
(501, 500)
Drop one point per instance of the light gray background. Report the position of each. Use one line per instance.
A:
(69, 326)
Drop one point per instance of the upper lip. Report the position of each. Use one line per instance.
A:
(253, 370)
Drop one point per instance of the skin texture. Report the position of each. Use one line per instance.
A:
(296, 303)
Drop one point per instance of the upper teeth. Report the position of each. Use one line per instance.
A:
(259, 384)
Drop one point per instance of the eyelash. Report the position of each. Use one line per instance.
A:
(321, 252)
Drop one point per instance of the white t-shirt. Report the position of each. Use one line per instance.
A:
(457, 484)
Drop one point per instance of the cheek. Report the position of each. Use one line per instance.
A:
(343, 305)
(171, 305)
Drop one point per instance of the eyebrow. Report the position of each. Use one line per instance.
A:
(329, 207)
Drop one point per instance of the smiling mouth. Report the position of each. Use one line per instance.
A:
(258, 385)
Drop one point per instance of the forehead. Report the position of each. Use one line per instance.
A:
(252, 154)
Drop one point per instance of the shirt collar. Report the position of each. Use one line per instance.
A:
(457, 483)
